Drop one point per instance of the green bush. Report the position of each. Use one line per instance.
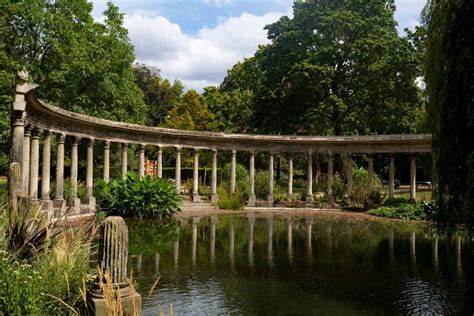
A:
(396, 201)
(424, 210)
(261, 184)
(360, 179)
(138, 197)
(339, 187)
(228, 201)
(241, 179)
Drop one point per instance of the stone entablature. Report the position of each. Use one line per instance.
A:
(34, 119)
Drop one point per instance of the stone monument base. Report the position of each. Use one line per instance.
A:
(132, 305)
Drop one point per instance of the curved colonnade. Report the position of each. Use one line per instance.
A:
(33, 118)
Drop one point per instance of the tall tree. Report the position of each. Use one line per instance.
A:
(160, 94)
(336, 67)
(450, 82)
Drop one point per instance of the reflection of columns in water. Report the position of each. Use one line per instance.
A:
(251, 218)
(289, 225)
(309, 234)
(231, 243)
(434, 253)
(194, 239)
(391, 238)
(270, 240)
(176, 252)
(413, 248)
(139, 262)
(349, 238)
(458, 254)
(370, 244)
(157, 263)
(213, 238)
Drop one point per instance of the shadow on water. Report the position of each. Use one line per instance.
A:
(268, 264)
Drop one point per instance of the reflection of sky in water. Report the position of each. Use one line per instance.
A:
(273, 265)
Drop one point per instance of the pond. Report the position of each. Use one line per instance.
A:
(275, 264)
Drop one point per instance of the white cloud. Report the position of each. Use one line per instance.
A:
(202, 59)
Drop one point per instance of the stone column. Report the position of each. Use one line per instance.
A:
(290, 177)
(370, 184)
(113, 257)
(309, 181)
(74, 171)
(141, 167)
(196, 197)
(231, 243)
(178, 170)
(46, 202)
(34, 166)
(159, 162)
(214, 196)
(89, 199)
(252, 197)
(107, 161)
(124, 160)
(194, 239)
(391, 177)
(233, 164)
(330, 197)
(270, 198)
(25, 166)
(413, 179)
(59, 197)
(349, 177)
(18, 135)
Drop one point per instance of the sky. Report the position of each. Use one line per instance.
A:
(197, 41)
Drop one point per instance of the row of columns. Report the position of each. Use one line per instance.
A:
(31, 157)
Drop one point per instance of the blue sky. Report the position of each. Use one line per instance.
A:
(196, 41)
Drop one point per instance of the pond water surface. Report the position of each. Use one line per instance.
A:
(269, 264)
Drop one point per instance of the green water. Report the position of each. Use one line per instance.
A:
(262, 264)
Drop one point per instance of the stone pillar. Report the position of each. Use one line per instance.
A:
(270, 198)
(113, 256)
(252, 198)
(107, 161)
(74, 171)
(18, 119)
(34, 165)
(46, 202)
(309, 181)
(214, 196)
(196, 197)
(349, 177)
(413, 179)
(159, 162)
(124, 160)
(89, 199)
(59, 197)
(141, 167)
(330, 197)
(290, 177)
(178, 170)
(233, 165)
(391, 177)
(370, 184)
(25, 166)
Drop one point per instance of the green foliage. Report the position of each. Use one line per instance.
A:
(360, 195)
(261, 184)
(449, 77)
(191, 113)
(228, 201)
(335, 67)
(241, 178)
(339, 187)
(138, 197)
(400, 208)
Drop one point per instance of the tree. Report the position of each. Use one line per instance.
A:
(160, 94)
(191, 113)
(449, 71)
(336, 67)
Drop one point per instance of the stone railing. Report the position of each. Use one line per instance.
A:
(33, 118)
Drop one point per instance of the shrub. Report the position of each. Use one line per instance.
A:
(396, 201)
(339, 187)
(138, 197)
(360, 179)
(228, 201)
(424, 210)
(241, 179)
(261, 184)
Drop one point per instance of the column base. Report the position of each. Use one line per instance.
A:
(270, 200)
(90, 203)
(330, 201)
(76, 205)
(60, 205)
(214, 198)
(132, 305)
(309, 200)
(289, 197)
(196, 197)
(47, 208)
(252, 201)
